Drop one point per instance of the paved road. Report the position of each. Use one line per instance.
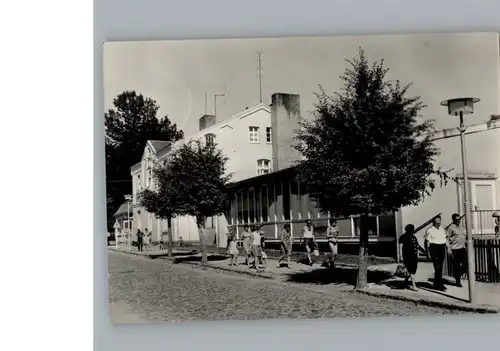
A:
(144, 290)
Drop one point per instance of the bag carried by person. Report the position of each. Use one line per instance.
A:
(401, 271)
(316, 252)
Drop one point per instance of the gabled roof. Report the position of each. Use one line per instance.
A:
(245, 113)
(159, 145)
(122, 210)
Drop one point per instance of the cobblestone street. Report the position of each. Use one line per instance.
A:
(144, 290)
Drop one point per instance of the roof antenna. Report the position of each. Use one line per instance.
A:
(260, 75)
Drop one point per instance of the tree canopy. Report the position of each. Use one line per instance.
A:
(368, 149)
(129, 125)
(193, 182)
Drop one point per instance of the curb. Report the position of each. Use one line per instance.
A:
(431, 303)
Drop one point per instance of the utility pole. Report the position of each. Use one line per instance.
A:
(260, 75)
(205, 102)
(215, 103)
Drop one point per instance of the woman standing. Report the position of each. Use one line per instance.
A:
(147, 240)
(307, 235)
(332, 234)
(246, 238)
(286, 239)
(409, 248)
(256, 246)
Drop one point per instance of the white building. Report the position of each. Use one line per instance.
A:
(245, 138)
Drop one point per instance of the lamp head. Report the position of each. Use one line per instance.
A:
(460, 105)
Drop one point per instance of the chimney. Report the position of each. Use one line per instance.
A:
(206, 121)
(285, 116)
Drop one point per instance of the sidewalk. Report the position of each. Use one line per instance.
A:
(488, 294)
(381, 281)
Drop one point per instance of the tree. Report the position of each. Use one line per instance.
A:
(162, 201)
(192, 183)
(367, 150)
(133, 121)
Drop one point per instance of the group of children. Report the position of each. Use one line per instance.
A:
(254, 244)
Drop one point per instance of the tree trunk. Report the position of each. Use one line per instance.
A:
(170, 241)
(200, 222)
(362, 280)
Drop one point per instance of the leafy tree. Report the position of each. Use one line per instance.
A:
(133, 121)
(192, 183)
(367, 151)
(162, 200)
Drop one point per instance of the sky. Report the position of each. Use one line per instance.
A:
(178, 73)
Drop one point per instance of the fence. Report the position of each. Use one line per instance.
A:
(487, 259)
(483, 223)
(382, 225)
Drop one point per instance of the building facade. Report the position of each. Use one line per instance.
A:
(245, 138)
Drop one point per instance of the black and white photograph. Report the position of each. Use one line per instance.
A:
(302, 177)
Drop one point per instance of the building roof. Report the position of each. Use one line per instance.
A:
(162, 147)
(245, 113)
(265, 178)
(159, 145)
(122, 210)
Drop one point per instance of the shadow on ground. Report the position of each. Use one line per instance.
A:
(430, 287)
(336, 276)
(197, 258)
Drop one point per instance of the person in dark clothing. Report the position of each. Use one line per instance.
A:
(410, 248)
(140, 240)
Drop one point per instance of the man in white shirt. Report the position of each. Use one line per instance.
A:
(435, 237)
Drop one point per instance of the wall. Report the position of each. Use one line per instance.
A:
(232, 139)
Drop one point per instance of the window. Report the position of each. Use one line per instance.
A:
(210, 139)
(269, 135)
(263, 166)
(253, 134)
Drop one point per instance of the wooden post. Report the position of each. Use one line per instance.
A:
(353, 228)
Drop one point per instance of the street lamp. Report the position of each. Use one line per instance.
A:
(460, 107)
(128, 198)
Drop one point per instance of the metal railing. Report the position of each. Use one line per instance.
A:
(487, 261)
(483, 223)
(348, 227)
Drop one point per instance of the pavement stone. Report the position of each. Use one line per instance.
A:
(386, 286)
(159, 290)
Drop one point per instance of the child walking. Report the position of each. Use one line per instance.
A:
(233, 250)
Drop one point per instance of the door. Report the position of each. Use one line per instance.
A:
(483, 203)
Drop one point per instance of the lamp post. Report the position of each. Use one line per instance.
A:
(128, 198)
(460, 107)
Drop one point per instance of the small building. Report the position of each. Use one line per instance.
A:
(123, 218)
